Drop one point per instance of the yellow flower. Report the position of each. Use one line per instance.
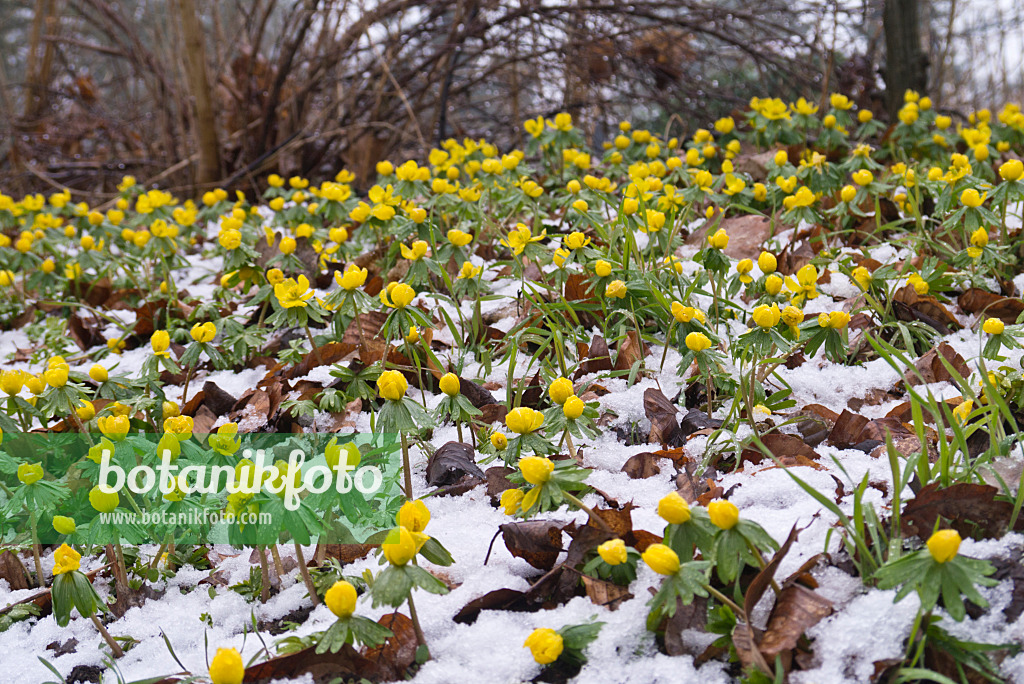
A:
(227, 667)
(1012, 170)
(979, 238)
(576, 240)
(499, 441)
(457, 238)
(862, 276)
(416, 251)
(449, 384)
(805, 285)
(720, 240)
(179, 426)
(837, 320)
(292, 292)
(161, 342)
(64, 525)
(723, 514)
(511, 499)
(352, 278)
(413, 515)
(943, 545)
(86, 411)
(114, 427)
(414, 335)
(767, 262)
(103, 502)
(56, 375)
(400, 546)
(963, 410)
(573, 408)
(803, 197)
(767, 316)
(560, 390)
(30, 473)
(535, 127)
(743, 268)
(11, 382)
(524, 420)
(661, 559)
(993, 326)
(613, 552)
(397, 295)
(697, 342)
(674, 509)
(545, 644)
(536, 469)
(392, 385)
(970, 198)
(773, 285)
(863, 177)
(225, 441)
(204, 332)
(98, 373)
(341, 599)
(66, 559)
(469, 271)
(616, 289)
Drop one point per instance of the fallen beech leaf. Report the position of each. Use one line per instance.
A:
(12, 570)
(1006, 309)
(910, 306)
(662, 414)
(693, 616)
(348, 553)
(796, 610)
(393, 659)
(604, 593)
(450, 463)
(492, 413)
(631, 350)
(642, 466)
(499, 599)
(970, 509)
(786, 448)
(216, 399)
(847, 430)
(597, 358)
(931, 368)
(538, 542)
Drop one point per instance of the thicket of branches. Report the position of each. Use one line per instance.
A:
(192, 93)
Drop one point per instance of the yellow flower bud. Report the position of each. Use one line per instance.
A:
(767, 263)
(227, 667)
(511, 500)
(674, 509)
(943, 545)
(102, 501)
(499, 441)
(392, 385)
(536, 469)
(697, 342)
(30, 473)
(613, 552)
(573, 408)
(545, 644)
(341, 599)
(66, 559)
(993, 326)
(662, 559)
(723, 514)
(413, 515)
(98, 373)
(64, 525)
(449, 384)
(400, 546)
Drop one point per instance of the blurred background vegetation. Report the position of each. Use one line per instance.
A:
(191, 94)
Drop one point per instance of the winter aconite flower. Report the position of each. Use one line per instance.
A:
(536, 469)
(341, 599)
(104, 502)
(499, 441)
(400, 546)
(62, 524)
(30, 473)
(392, 385)
(413, 515)
(972, 199)
(560, 390)
(616, 289)
(545, 644)
(661, 559)
(511, 500)
(766, 316)
(613, 552)
(397, 295)
(68, 560)
(723, 514)
(98, 373)
(204, 332)
(1011, 170)
(602, 268)
(353, 277)
(114, 427)
(449, 384)
(674, 509)
(227, 667)
(993, 326)
(697, 342)
(524, 420)
(292, 292)
(943, 545)
(719, 240)
(573, 408)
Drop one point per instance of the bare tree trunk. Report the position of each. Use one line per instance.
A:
(199, 87)
(37, 71)
(906, 66)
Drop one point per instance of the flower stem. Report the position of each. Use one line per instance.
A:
(420, 639)
(589, 511)
(305, 575)
(405, 467)
(114, 646)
